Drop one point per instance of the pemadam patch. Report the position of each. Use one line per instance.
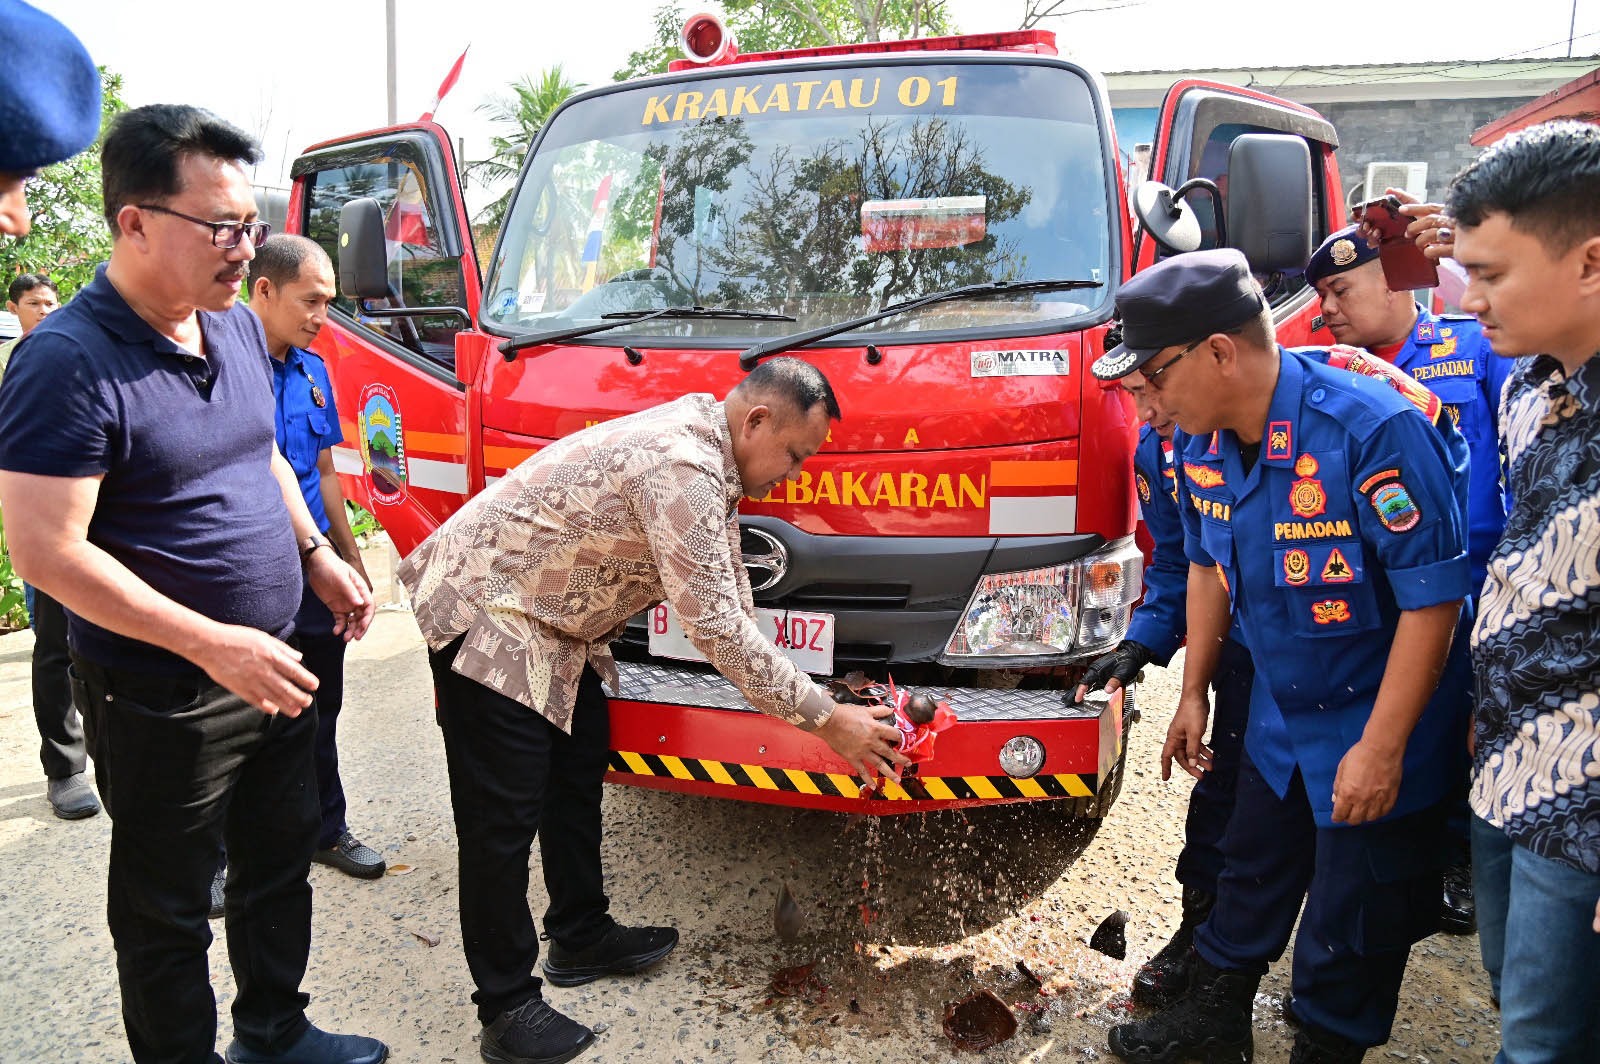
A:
(1392, 501)
(1144, 487)
(1330, 611)
(1306, 495)
(1296, 567)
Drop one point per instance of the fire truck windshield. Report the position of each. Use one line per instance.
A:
(818, 194)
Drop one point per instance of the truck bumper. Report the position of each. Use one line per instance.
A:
(678, 729)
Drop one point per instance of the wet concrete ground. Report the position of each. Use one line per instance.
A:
(951, 904)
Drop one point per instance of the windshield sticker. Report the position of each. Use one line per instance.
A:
(917, 224)
(383, 449)
(797, 97)
(1021, 364)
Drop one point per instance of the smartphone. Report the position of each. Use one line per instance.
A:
(1405, 267)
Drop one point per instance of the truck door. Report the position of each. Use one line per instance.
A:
(1199, 122)
(403, 411)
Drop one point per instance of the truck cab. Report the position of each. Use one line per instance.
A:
(969, 526)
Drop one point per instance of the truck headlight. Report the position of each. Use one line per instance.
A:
(1022, 757)
(1049, 615)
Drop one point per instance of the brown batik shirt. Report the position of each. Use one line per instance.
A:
(545, 567)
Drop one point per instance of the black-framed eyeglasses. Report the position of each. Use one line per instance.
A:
(225, 235)
(1150, 378)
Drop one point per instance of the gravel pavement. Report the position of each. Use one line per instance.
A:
(905, 914)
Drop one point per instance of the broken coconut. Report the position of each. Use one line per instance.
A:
(979, 1021)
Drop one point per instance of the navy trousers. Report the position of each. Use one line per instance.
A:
(1370, 892)
(1211, 799)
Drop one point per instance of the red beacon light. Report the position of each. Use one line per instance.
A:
(706, 41)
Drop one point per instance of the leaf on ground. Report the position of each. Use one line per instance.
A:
(399, 870)
(427, 938)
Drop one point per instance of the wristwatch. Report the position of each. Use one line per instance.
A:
(311, 543)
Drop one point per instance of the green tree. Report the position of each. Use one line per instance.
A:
(769, 25)
(69, 236)
(523, 113)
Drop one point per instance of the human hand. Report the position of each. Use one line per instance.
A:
(262, 670)
(859, 735)
(1186, 739)
(345, 592)
(1597, 916)
(1430, 227)
(1114, 670)
(1366, 784)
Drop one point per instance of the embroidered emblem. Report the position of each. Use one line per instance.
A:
(1343, 252)
(1337, 570)
(1112, 366)
(1455, 414)
(1278, 440)
(1330, 611)
(1296, 567)
(1202, 476)
(1427, 332)
(1378, 478)
(1444, 348)
(1395, 507)
(1306, 497)
(1143, 485)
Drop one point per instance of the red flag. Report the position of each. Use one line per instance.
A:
(446, 85)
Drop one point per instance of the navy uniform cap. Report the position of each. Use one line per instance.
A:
(1178, 300)
(1344, 250)
(49, 91)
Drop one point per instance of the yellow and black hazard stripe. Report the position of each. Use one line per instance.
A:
(838, 785)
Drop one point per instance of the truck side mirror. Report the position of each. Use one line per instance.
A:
(1269, 201)
(363, 255)
(1169, 221)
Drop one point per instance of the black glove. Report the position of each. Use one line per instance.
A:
(1121, 664)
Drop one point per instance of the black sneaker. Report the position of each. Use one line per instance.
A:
(533, 1033)
(623, 951)
(353, 857)
(218, 907)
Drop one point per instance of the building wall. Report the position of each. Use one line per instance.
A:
(1437, 132)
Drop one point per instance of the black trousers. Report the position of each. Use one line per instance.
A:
(514, 775)
(323, 657)
(61, 747)
(183, 764)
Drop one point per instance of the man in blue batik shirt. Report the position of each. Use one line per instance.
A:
(1449, 355)
(1327, 512)
(290, 291)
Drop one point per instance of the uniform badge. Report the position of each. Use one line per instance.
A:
(1306, 497)
(1337, 570)
(1296, 567)
(1427, 332)
(1202, 476)
(1143, 485)
(1279, 438)
(1455, 414)
(1330, 611)
(1444, 348)
(318, 398)
(1343, 252)
(1395, 507)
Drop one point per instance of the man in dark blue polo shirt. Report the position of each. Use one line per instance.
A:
(291, 287)
(143, 490)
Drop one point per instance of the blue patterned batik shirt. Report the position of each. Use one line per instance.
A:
(1536, 648)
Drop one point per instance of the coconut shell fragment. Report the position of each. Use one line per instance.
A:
(979, 1021)
(1110, 937)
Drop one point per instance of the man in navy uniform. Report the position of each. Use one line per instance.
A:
(1154, 635)
(1326, 511)
(1449, 355)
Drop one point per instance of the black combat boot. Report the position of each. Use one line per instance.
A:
(1312, 1046)
(1165, 977)
(1210, 1023)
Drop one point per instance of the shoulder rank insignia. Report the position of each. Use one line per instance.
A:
(1279, 439)
(1296, 567)
(1391, 501)
(1202, 476)
(1330, 611)
(1306, 496)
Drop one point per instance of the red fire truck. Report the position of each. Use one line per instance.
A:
(940, 225)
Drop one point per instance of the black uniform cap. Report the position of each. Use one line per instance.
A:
(1178, 300)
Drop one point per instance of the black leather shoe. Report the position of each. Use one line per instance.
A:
(533, 1033)
(217, 902)
(316, 1047)
(1458, 914)
(623, 951)
(352, 857)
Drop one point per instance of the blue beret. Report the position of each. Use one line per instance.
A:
(1177, 300)
(49, 91)
(1344, 250)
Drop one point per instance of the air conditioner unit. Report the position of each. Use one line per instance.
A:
(1413, 177)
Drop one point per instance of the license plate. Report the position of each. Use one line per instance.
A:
(804, 638)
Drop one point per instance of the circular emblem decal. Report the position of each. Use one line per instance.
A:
(383, 442)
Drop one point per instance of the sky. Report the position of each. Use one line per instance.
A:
(308, 70)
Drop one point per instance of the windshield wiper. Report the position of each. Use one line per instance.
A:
(617, 319)
(751, 355)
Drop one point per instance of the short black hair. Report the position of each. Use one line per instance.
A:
(794, 380)
(27, 282)
(1545, 179)
(281, 257)
(146, 145)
